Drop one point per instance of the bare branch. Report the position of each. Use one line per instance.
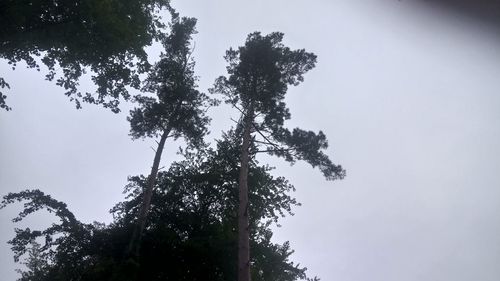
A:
(240, 110)
(266, 138)
(234, 120)
(274, 150)
(264, 142)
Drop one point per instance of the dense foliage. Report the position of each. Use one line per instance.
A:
(259, 74)
(176, 105)
(190, 234)
(70, 37)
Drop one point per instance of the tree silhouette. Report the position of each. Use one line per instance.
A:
(177, 110)
(36, 264)
(191, 230)
(107, 37)
(258, 77)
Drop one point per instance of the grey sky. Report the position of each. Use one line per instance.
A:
(408, 96)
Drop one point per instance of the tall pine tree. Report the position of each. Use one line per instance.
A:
(259, 74)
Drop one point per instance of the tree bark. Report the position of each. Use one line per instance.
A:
(243, 220)
(135, 241)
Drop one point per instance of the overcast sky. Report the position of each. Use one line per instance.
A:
(407, 94)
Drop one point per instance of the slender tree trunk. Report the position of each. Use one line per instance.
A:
(243, 221)
(135, 241)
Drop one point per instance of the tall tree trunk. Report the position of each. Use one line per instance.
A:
(135, 241)
(243, 221)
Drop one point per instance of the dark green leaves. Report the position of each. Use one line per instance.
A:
(261, 71)
(259, 74)
(177, 107)
(191, 227)
(307, 146)
(3, 85)
(35, 200)
(107, 37)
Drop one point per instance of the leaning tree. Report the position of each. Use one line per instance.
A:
(259, 74)
(177, 108)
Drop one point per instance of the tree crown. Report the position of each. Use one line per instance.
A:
(177, 107)
(259, 74)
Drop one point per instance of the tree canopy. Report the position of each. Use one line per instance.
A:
(259, 74)
(190, 234)
(70, 37)
(176, 105)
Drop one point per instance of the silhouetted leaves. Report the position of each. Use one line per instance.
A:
(3, 85)
(191, 230)
(177, 107)
(36, 264)
(259, 74)
(107, 37)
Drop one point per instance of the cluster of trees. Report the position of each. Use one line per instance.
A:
(199, 219)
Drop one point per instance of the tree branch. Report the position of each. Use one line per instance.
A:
(274, 150)
(266, 138)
